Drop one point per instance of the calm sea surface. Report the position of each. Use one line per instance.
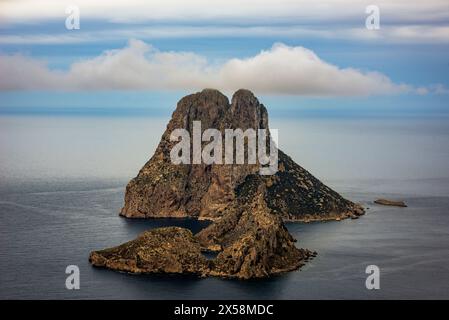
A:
(62, 185)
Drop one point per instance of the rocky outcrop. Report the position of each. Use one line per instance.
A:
(252, 243)
(164, 189)
(162, 250)
(386, 202)
(247, 208)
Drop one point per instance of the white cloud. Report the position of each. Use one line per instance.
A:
(19, 72)
(297, 70)
(139, 66)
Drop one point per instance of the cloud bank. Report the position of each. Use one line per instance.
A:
(280, 70)
(226, 10)
(401, 21)
(424, 34)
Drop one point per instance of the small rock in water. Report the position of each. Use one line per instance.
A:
(386, 202)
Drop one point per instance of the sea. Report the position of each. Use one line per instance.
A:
(62, 183)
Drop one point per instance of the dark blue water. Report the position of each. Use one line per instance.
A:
(49, 224)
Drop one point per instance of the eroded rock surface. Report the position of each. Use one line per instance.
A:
(252, 240)
(161, 250)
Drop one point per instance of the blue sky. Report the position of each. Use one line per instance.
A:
(163, 52)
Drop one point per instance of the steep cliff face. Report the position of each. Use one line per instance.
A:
(164, 189)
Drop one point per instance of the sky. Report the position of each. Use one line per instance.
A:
(301, 58)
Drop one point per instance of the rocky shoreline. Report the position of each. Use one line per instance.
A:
(155, 252)
(252, 243)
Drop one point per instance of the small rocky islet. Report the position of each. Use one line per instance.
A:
(393, 203)
(247, 209)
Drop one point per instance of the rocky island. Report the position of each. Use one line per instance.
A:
(393, 203)
(247, 209)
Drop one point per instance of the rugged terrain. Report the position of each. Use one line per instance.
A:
(163, 189)
(252, 243)
(161, 250)
(247, 209)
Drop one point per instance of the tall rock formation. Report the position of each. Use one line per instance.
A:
(164, 189)
(247, 208)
